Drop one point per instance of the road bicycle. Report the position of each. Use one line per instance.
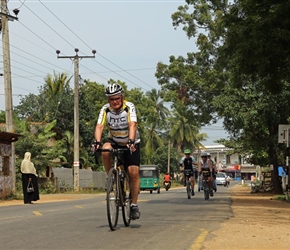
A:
(118, 189)
(187, 174)
(205, 184)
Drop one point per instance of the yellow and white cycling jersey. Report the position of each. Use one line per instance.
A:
(118, 123)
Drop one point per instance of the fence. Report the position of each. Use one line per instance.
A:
(63, 178)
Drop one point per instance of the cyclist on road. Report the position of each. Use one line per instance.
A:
(214, 171)
(120, 117)
(228, 179)
(188, 162)
(206, 165)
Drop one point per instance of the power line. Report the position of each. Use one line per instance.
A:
(97, 52)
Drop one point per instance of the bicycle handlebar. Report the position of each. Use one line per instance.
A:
(114, 151)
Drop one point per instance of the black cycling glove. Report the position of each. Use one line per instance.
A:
(131, 142)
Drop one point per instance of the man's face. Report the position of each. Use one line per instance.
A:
(116, 101)
(187, 155)
(204, 158)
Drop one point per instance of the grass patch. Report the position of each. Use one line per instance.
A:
(282, 197)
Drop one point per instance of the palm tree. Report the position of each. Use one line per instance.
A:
(184, 131)
(68, 150)
(55, 85)
(155, 120)
(158, 112)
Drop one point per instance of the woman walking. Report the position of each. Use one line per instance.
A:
(29, 179)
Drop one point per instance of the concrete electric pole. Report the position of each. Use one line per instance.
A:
(76, 164)
(5, 17)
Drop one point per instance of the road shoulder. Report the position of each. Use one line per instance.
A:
(258, 222)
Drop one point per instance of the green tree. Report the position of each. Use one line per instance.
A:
(257, 43)
(242, 59)
(34, 139)
(2, 116)
(54, 102)
(155, 119)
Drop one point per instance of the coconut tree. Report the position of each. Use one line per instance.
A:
(154, 122)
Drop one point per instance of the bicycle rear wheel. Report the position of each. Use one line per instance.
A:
(126, 210)
(188, 189)
(112, 199)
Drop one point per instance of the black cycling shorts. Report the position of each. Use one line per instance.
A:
(191, 173)
(204, 173)
(129, 159)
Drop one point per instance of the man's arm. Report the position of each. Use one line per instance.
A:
(199, 166)
(132, 130)
(210, 165)
(98, 132)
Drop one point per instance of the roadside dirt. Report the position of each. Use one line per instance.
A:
(259, 222)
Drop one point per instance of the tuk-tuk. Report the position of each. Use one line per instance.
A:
(149, 178)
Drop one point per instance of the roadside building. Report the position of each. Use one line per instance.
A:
(235, 165)
(7, 164)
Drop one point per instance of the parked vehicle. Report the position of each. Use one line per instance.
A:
(221, 178)
(149, 178)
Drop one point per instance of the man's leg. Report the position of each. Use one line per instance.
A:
(106, 157)
(134, 182)
(134, 188)
(192, 185)
(210, 181)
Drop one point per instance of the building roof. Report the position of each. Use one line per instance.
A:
(8, 137)
(214, 148)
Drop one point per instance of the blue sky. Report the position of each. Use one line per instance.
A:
(130, 38)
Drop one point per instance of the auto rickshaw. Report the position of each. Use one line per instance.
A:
(149, 178)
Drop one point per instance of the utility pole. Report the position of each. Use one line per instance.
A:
(5, 17)
(168, 159)
(76, 164)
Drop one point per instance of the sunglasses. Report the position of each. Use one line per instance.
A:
(115, 99)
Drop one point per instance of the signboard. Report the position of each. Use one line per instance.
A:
(283, 133)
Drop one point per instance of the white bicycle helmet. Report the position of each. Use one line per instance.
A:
(203, 154)
(114, 89)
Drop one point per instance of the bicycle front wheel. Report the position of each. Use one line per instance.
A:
(127, 200)
(112, 199)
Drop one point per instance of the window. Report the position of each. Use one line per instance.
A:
(146, 173)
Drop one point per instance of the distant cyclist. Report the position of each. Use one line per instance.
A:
(206, 165)
(120, 118)
(228, 179)
(188, 162)
(214, 171)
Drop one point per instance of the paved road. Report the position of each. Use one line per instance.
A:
(168, 221)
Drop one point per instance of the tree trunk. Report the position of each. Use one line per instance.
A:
(277, 188)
